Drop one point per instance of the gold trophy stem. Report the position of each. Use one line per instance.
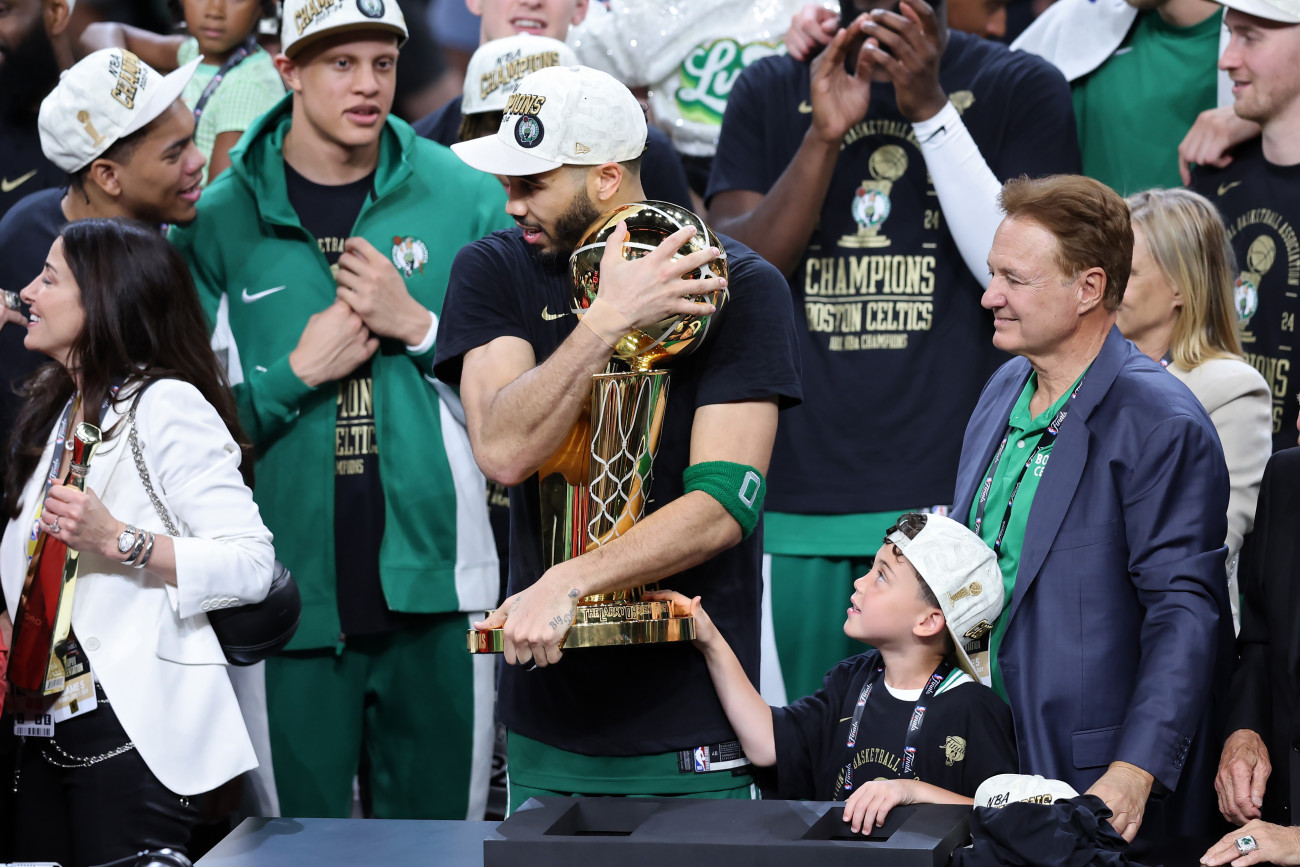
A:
(626, 425)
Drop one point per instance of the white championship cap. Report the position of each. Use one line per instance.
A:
(305, 21)
(498, 66)
(564, 115)
(1283, 11)
(105, 96)
(1005, 789)
(963, 573)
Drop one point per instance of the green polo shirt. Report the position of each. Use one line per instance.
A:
(1022, 437)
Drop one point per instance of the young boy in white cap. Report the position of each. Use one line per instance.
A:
(321, 257)
(912, 721)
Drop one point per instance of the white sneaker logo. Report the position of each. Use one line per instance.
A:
(257, 296)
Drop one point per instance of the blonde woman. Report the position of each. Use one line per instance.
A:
(1178, 309)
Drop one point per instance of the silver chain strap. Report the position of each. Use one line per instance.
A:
(78, 761)
(144, 477)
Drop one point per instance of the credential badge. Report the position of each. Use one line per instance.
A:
(409, 255)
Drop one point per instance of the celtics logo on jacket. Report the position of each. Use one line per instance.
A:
(409, 255)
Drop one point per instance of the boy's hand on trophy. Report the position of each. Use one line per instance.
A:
(370, 284)
(705, 632)
(639, 292)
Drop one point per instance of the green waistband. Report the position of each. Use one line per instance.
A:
(541, 766)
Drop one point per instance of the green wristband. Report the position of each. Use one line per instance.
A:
(739, 488)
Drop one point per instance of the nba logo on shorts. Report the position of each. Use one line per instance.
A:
(701, 760)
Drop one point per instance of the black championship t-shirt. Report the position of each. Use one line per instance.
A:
(662, 175)
(23, 167)
(1260, 204)
(623, 701)
(895, 345)
(329, 213)
(26, 234)
(964, 736)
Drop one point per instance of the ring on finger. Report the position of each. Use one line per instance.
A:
(11, 299)
(1246, 844)
(54, 526)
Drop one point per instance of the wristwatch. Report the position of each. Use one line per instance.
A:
(126, 541)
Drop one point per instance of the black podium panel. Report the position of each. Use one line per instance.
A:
(684, 832)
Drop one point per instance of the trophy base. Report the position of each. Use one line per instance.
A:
(606, 625)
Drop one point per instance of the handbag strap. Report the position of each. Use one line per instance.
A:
(138, 453)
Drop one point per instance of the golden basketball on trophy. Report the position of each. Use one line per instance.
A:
(596, 486)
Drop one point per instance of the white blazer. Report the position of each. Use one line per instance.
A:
(1241, 406)
(150, 644)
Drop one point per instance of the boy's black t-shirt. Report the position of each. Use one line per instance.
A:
(587, 703)
(1260, 204)
(895, 345)
(329, 213)
(965, 735)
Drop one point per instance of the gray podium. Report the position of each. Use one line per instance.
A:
(651, 832)
(629, 832)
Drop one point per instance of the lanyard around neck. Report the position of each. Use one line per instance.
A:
(249, 46)
(1045, 441)
(915, 721)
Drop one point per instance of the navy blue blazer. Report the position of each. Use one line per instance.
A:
(1119, 632)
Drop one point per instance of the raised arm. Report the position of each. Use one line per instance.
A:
(156, 49)
(777, 224)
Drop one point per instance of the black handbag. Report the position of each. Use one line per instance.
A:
(248, 633)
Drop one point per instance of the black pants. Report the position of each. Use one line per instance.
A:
(85, 816)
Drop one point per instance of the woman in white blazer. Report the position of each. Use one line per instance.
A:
(116, 309)
(1178, 309)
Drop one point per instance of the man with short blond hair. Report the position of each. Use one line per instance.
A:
(1258, 194)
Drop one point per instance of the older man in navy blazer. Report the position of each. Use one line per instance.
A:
(1100, 481)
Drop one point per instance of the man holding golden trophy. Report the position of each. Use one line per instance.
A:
(563, 335)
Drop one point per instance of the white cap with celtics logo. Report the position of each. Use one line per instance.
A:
(305, 21)
(561, 116)
(104, 97)
(963, 573)
(498, 66)
(1282, 11)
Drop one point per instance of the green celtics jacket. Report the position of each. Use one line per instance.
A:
(260, 276)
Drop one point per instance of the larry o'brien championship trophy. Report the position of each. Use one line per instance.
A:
(595, 487)
(39, 661)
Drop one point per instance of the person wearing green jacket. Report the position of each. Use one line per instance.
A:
(322, 258)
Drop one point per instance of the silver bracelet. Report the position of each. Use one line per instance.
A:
(148, 552)
(137, 547)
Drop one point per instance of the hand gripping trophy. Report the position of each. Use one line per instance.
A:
(595, 487)
(41, 661)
